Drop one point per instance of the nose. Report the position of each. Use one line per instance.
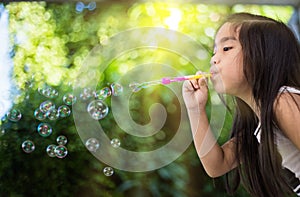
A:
(214, 60)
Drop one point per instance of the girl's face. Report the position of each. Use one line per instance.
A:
(227, 63)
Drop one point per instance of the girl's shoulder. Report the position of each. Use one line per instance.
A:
(287, 112)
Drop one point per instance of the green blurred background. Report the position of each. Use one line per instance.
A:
(49, 42)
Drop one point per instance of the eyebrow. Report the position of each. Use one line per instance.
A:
(224, 39)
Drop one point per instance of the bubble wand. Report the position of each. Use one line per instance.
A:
(166, 80)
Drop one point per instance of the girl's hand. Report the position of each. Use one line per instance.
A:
(195, 93)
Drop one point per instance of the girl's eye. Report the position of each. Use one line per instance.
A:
(227, 48)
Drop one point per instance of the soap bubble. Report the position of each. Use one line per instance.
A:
(69, 99)
(135, 87)
(91, 6)
(92, 144)
(50, 150)
(115, 143)
(97, 109)
(53, 114)
(14, 115)
(79, 6)
(116, 89)
(39, 115)
(44, 129)
(28, 146)
(47, 106)
(103, 93)
(86, 94)
(60, 151)
(62, 140)
(64, 111)
(108, 171)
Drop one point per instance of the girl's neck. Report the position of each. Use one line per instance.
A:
(248, 98)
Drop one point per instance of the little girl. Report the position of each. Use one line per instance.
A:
(256, 60)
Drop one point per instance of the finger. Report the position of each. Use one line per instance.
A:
(193, 86)
(188, 86)
(202, 82)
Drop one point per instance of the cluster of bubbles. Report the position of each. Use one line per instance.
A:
(48, 111)
(97, 108)
(59, 150)
(48, 91)
(92, 144)
(80, 6)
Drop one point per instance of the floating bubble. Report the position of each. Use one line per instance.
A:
(69, 99)
(116, 89)
(91, 6)
(60, 151)
(62, 140)
(103, 93)
(28, 146)
(86, 94)
(135, 87)
(79, 6)
(14, 115)
(115, 143)
(53, 114)
(39, 115)
(108, 171)
(44, 129)
(92, 144)
(51, 150)
(47, 106)
(64, 111)
(97, 109)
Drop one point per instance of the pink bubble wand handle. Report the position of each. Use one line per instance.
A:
(168, 80)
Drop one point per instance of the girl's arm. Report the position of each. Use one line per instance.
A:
(217, 160)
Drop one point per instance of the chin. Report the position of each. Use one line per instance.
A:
(218, 87)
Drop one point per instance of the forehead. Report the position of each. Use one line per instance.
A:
(226, 32)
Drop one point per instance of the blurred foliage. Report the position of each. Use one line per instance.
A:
(50, 42)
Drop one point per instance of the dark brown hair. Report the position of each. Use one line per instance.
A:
(271, 59)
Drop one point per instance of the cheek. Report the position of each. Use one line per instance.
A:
(235, 68)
